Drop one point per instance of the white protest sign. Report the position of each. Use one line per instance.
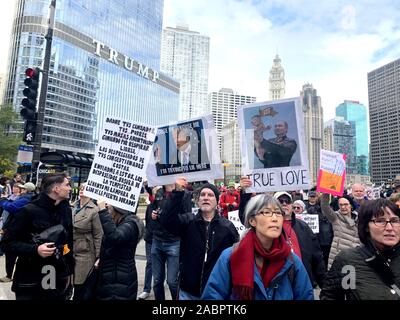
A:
(311, 219)
(233, 216)
(187, 148)
(120, 162)
(274, 154)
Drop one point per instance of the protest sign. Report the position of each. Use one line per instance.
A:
(332, 173)
(273, 147)
(120, 162)
(233, 216)
(187, 148)
(311, 219)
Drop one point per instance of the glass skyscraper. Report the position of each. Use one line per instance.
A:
(357, 112)
(104, 62)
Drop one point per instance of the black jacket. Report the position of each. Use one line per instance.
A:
(117, 268)
(201, 242)
(37, 216)
(311, 254)
(368, 285)
(325, 235)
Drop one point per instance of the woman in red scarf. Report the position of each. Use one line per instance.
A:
(261, 266)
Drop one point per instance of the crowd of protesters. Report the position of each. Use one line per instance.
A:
(193, 246)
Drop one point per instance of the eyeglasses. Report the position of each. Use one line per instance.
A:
(382, 222)
(269, 214)
(295, 208)
(285, 201)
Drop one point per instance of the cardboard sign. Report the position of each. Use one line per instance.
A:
(120, 162)
(273, 147)
(311, 219)
(185, 149)
(332, 173)
(233, 216)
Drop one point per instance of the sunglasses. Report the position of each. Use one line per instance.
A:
(295, 208)
(285, 201)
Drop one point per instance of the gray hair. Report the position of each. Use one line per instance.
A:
(256, 204)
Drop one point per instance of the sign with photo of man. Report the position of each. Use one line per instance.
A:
(273, 145)
(187, 148)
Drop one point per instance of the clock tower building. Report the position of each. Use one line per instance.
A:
(276, 80)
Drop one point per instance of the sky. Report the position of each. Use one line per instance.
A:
(330, 44)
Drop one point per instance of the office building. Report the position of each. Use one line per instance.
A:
(185, 57)
(384, 121)
(105, 58)
(313, 128)
(231, 155)
(357, 112)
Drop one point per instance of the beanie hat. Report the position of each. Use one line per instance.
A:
(212, 187)
(300, 203)
(231, 184)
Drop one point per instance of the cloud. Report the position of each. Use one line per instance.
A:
(331, 44)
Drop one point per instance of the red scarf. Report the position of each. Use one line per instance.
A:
(291, 237)
(242, 263)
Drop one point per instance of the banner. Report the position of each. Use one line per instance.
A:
(233, 216)
(332, 173)
(272, 144)
(186, 148)
(120, 162)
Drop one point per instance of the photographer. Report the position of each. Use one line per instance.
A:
(45, 266)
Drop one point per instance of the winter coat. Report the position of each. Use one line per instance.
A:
(201, 242)
(311, 254)
(88, 233)
(37, 216)
(282, 287)
(344, 229)
(325, 234)
(367, 283)
(226, 200)
(117, 268)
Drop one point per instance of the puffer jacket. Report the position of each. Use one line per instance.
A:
(345, 232)
(117, 268)
(282, 287)
(367, 283)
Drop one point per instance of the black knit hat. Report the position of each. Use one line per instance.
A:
(212, 187)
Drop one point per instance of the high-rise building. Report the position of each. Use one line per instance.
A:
(357, 112)
(231, 156)
(313, 127)
(185, 57)
(223, 105)
(104, 61)
(384, 121)
(328, 138)
(277, 80)
(2, 82)
(343, 140)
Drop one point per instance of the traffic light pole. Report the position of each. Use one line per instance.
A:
(37, 145)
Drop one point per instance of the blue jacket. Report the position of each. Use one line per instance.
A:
(281, 287)
(14, 206)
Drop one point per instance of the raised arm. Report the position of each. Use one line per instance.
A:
(326, 209)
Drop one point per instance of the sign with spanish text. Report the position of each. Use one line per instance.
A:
(185, 149)
(120, 162)
(332, 173)
(273, 146)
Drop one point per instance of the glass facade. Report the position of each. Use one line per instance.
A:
(103, 63)
(356, 112)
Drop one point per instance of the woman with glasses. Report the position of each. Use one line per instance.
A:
(261, 266)
(87, 239)
(344, 224)
(372, 270)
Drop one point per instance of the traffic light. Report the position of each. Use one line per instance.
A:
(28, 112)
(30, 92)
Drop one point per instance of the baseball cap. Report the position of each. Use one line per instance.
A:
(231, 184)
(29, 186)
(312, 193)
(282, 193)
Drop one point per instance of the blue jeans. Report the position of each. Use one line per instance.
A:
(164, 252)
(148, 272)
